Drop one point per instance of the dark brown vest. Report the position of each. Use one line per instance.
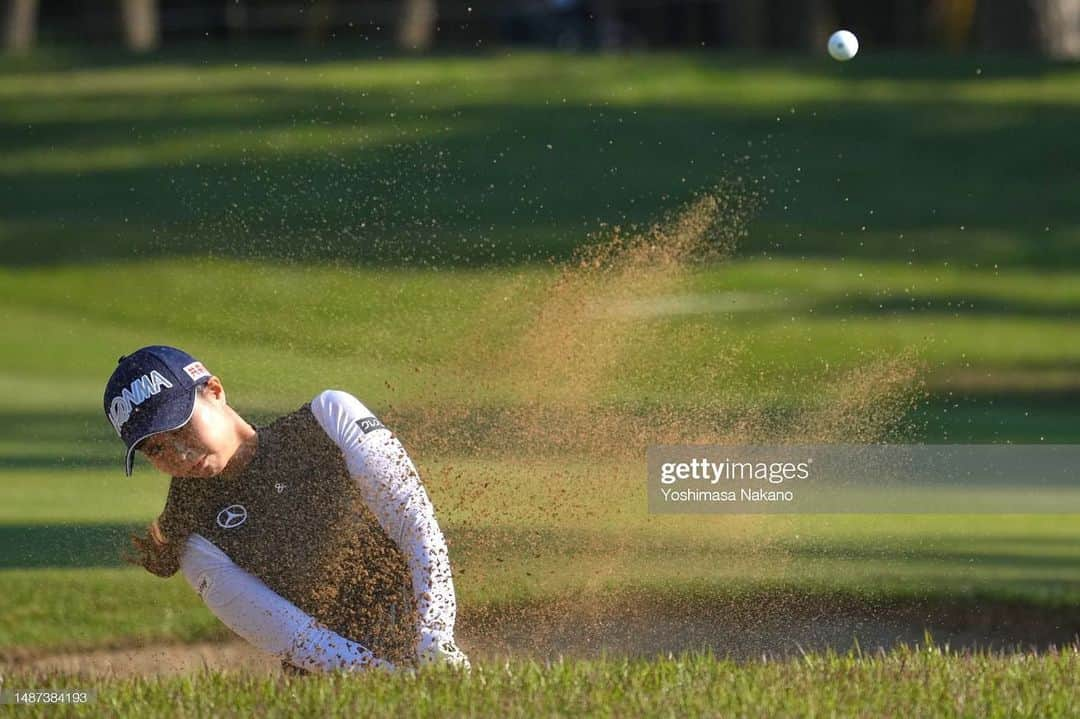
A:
(295, 519)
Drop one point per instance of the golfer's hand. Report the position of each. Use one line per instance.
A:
(439, 647)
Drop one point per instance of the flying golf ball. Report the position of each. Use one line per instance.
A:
(843, 45)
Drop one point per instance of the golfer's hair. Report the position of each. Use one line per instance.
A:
(146, 551)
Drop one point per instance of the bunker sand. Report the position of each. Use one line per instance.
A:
(774, 628)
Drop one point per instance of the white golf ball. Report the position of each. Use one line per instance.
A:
(843, 45)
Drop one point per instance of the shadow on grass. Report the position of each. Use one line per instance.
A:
(1050, 416)
(929, 66)
(59, 440)
(64, 545)
(525, 178)
(947, 305)
(82, 545)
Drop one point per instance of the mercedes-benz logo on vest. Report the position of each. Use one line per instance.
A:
(232, 516)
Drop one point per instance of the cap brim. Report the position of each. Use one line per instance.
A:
(129, 460)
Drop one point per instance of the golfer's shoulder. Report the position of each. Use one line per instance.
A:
(184, 502)
(335, 402)
(339, 412)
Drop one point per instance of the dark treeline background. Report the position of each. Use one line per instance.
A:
(1047, 27)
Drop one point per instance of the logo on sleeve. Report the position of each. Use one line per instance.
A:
(232, 516)
(369, 424)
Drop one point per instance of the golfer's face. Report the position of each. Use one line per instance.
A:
(194, 450)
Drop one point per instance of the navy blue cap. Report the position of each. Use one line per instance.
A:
(152, 390)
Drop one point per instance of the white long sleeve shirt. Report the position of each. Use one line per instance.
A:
(390, 487)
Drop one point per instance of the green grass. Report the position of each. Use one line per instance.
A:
(925, 682)
(379, 226)
(483, 160)
(278, 334)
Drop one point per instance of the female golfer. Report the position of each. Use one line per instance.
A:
(311, 537)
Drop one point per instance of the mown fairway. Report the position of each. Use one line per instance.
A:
(353, 222)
